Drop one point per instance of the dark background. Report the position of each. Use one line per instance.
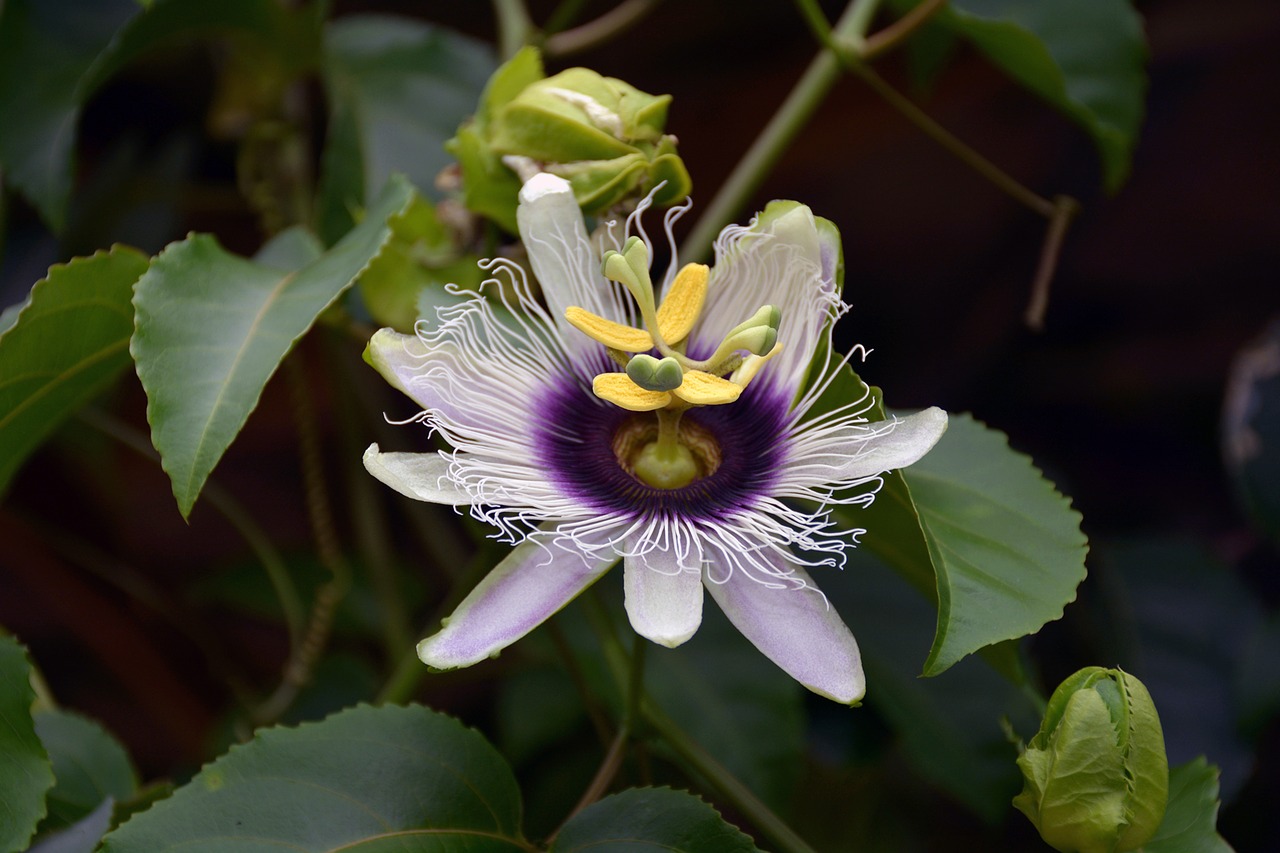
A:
(1118, 399)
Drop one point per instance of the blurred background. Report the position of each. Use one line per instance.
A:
(147, 622)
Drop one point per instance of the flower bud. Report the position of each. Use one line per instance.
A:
(1096, 776)
(602, 135)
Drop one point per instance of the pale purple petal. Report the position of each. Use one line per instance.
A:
(663, 598)
(794, 626)
(535, 580)
(421, 476)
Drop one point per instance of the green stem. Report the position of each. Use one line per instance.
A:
(409, 670)
(612, 762)
(230, 509)
(600, 31)
(939, 134)
(514, 26)
(372, 535)
(669, 432)
(725, 783)
(773, 141)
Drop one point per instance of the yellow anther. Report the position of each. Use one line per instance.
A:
(706, 389)
(611, 334)
(617, 388)
(744, 374)
(682, 303)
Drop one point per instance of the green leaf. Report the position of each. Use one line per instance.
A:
(1191, 819)
(62, 40)
(212, 327)
(25, 774)
(1006, 546)
(398, 88)
(421, 254)
(1086, 57)
(651, 819)
(367, 779)
(949, 726)
(90, 765)
(69, 340)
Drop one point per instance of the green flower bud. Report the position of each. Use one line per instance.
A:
(1096, 776)
(601, 134)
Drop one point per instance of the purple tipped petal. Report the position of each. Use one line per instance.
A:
(663, 599)
(421, 476)
(795, 628)
(534, 581)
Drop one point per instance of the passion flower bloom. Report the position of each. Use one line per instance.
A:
(679, 436)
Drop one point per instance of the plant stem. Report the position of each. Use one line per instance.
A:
(603, 29)
(617, 749)
(951, 143)
(301, 664)
(901, 29)
(725, 783)
(768, 147)
(1065, 209)
(236, 515)
(514, 26)
(372, 535)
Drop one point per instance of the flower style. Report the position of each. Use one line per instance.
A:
(679, 436)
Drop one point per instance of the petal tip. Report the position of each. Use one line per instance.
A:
(541, 185)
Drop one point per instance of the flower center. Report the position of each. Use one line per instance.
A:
(695, 453)
(672, 382)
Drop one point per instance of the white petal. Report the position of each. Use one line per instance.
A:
(663, 599)
(795, 628)
(909, 438)
(421, 476)
(783, 260)
(534, 581)
(567, 266)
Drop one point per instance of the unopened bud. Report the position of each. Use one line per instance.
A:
(1096, 775)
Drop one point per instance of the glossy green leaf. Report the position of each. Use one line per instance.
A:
(367, 779)
(1085, 57)
(25, 773)
(89, 764)
(69, 340)
(212, 327)
(398, 88)
(77, 45)
(1191, 820)
(948, 726)
(651, 819)
(1006, 546)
